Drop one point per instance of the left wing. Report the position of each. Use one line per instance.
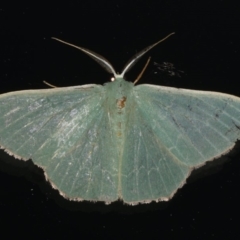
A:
(65, 131)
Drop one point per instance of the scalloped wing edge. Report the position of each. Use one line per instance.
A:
(161, 199)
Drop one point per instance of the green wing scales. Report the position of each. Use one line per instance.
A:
(66, 132)
(118, 141)
(172, 131)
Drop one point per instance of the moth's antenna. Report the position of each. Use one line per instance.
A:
(50, 85)
(98, 58)
(136, 57)
(143, 70)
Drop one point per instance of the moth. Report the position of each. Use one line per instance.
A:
(118, 141)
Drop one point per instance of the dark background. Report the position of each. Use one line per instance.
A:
(205, 47)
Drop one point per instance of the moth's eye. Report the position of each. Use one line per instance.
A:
(112, 79)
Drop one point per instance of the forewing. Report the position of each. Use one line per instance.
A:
(171, 131)
(66, 131)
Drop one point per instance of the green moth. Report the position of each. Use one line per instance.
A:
(118, 141)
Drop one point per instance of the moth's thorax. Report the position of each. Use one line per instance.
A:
(118, 98)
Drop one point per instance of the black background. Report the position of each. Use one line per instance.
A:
(205, 47)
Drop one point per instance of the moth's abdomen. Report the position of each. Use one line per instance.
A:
(117, 101)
